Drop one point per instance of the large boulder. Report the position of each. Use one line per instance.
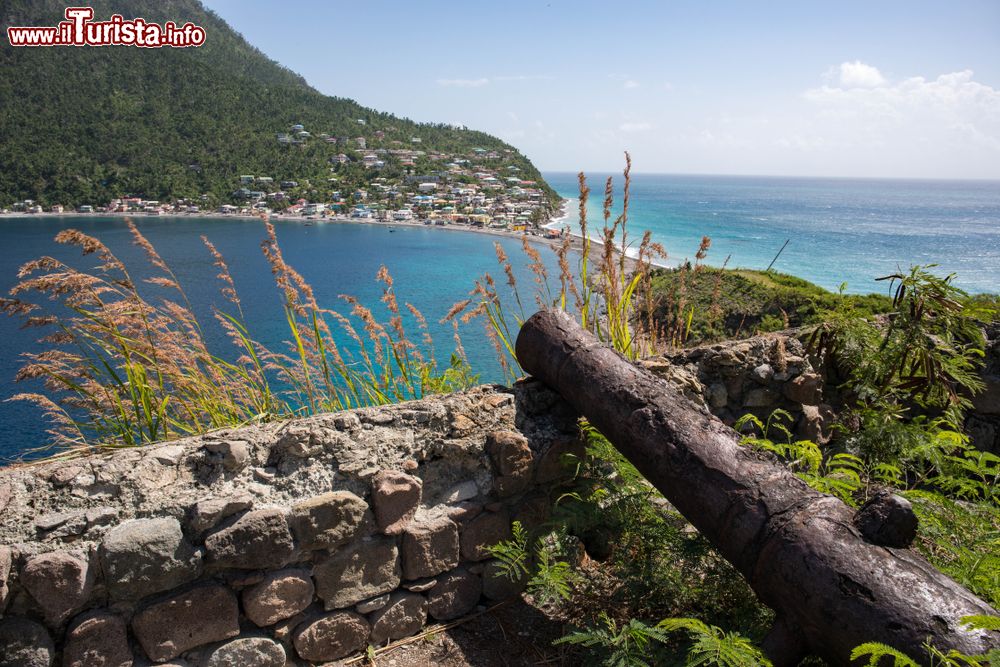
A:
(186, 620)
(331, 637)
(97, 639)
(358, 573)
(145, 556)
(329, 520)
(396, 497)
(430, 547)
(60, 582)
(258, 540)
(279, 596)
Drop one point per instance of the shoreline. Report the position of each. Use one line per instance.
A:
(559, 222)
(314, 219)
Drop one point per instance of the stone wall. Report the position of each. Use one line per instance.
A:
(758, 375)
(280, 544)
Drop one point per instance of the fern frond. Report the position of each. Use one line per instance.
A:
(876, 651)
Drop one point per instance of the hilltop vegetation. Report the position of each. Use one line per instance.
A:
(84, 125)
(730, 303)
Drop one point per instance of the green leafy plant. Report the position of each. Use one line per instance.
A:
(909, 374)
(714, 646)
(876, 653)
(512, 554)
(550, 579)
(840, 475)
(627, 645)
(880, 655)
(962, 539)
(553, 579)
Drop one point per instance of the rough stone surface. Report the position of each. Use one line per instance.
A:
(806, 389)
(244, 652)
(420, 585)
(257, 540)
(358, 573)
(456, 594)
(763, 373)
(498, 586)
(146, 556)
(486, 530)
(815, 423)
(887, 520)
(396, 497)
(24, 643)
(207, 513)
(368, 606)
(512, 459)
(429, 547)
(279, 596)
(234, 453)
(552, 466)
(760, 398)
(5, 564)
(183, 621)
(332, 636)
(60, 582)
(403, 616)
(329, 520)
(97, 639)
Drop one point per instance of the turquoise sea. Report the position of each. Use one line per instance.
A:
(840, 231)
(432, 269)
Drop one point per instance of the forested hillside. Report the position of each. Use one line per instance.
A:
(83, 125)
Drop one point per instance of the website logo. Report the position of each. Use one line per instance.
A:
(80, 30)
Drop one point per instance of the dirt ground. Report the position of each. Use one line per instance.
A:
(513, 634)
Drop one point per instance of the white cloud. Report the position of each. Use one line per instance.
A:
(525, 77)
(630, 84)
(463, 83)
(950, 104)
(635, 127)
(947, 126)
(860, 75)
(940, 126)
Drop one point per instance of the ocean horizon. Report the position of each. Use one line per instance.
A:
(839, 229)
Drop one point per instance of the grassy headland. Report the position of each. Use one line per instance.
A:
(732, 303)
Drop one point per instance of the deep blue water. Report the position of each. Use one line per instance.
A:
(840, 230)
(432, 269)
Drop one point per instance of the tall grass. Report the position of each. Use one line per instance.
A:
(609, 289)
(121, 369)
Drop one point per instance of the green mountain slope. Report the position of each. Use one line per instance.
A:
(83, 125)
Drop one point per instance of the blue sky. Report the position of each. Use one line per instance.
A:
(876, 88)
